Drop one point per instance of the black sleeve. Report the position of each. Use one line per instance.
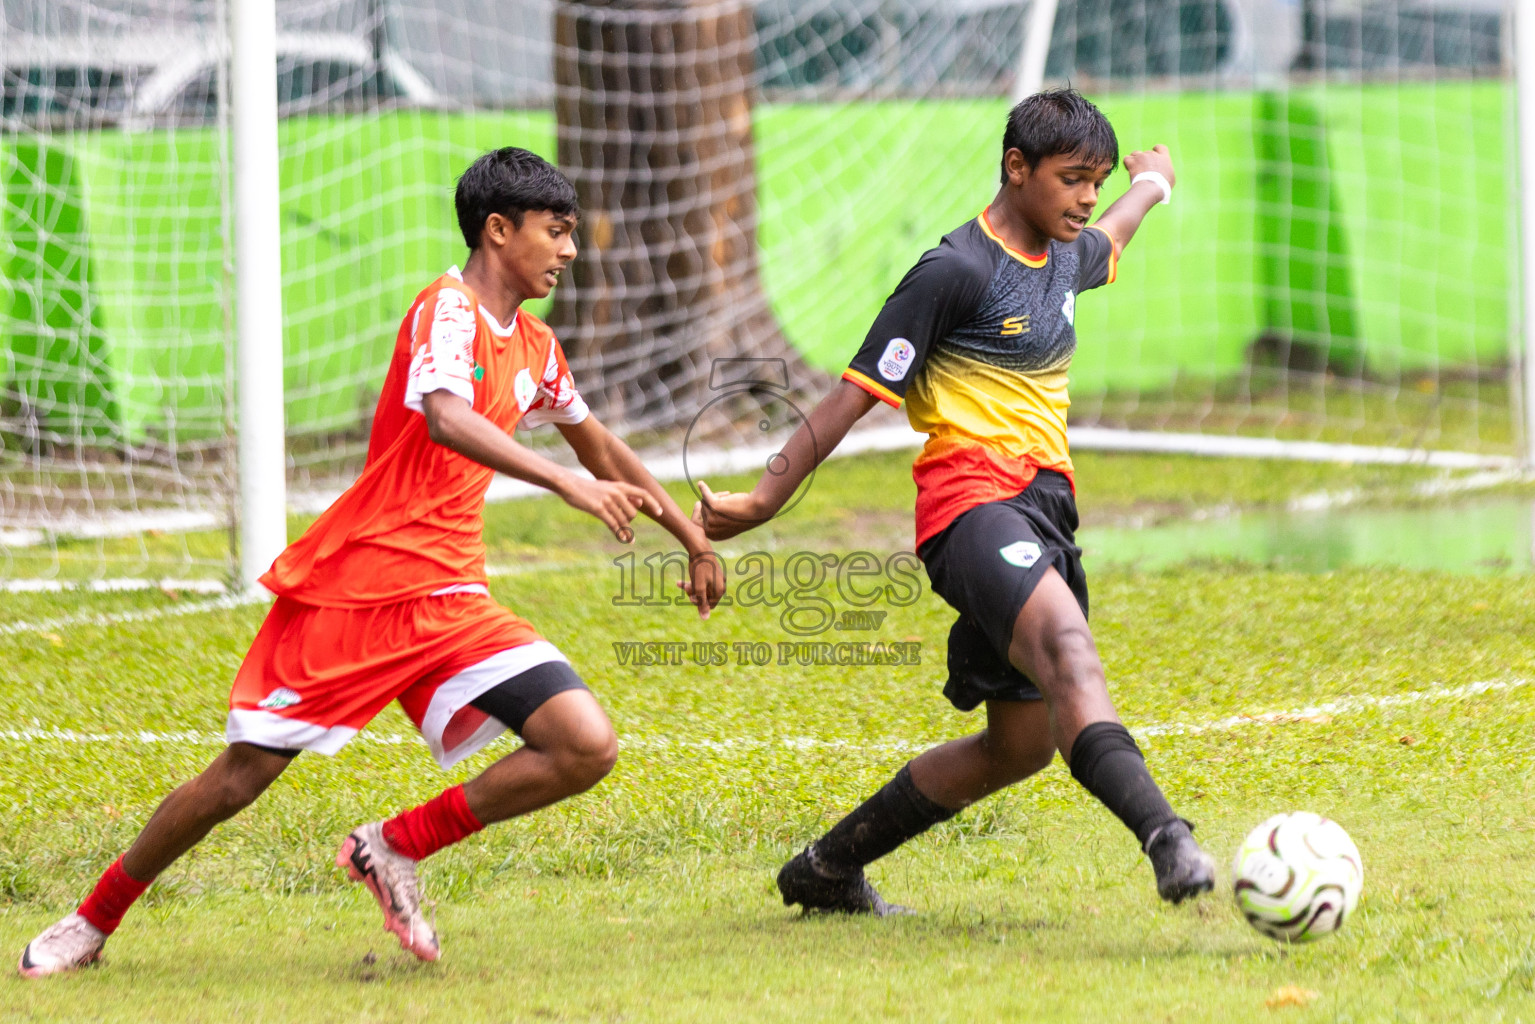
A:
(943, 290)
(1096, 264)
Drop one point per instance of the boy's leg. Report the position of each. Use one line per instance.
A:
(1015, 744)
(932, 788)
(568, 747)
(227, 786)
(1051, 645)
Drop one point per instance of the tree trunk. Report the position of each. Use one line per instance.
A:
(653, 99)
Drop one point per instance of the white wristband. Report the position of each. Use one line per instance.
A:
(1157, 178)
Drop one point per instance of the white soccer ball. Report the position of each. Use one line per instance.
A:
(1297, 877)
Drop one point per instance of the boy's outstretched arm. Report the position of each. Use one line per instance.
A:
(725, 514)
(622, 489)
(452, 422)
(1122, 218)
(609, 458)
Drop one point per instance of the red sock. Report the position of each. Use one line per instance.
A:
(112, 897)
(442, 821)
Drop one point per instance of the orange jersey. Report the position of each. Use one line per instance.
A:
(412, 525)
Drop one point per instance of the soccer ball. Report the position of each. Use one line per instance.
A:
(1297, 876)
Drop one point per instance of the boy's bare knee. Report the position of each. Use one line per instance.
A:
(1071, 652)
(1067, 665)
(589, 755)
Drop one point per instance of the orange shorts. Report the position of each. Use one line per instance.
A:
(315, 676)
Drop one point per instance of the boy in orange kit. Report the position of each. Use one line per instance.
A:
(385, 596)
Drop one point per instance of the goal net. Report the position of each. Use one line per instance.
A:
(1334, 278)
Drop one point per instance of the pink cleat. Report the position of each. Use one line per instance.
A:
(391, 877)
(67, 946)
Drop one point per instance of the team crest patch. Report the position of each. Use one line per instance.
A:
(280, 698)
(524, 389)
(897, 359)
(1022, 553)
(1069, 308)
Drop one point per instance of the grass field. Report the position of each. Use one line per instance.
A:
(1406, 710)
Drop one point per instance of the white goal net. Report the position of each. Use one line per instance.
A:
(1335, 276)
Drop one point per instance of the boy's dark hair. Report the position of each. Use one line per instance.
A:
(1056, 122)
(510, 181)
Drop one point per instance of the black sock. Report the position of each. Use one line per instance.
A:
(1108, 764)
(878, 825)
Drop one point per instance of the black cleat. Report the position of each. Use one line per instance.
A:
(801, 883)
(1183, 869)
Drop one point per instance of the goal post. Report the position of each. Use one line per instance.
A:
(1524, 64)
(1035, 52)
(263, 505)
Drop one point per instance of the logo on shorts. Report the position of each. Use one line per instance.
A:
(280, 698)
(1022, 553)
(897, 359)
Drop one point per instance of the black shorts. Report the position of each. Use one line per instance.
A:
(514, 700)
(986, 564)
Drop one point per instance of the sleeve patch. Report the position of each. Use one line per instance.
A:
(444, 359)
(897, 360)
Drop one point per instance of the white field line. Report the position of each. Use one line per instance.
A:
(1107, 439)
(698, 465)
(236, 600)
(870, 440)
(112, 586)
(1312, 714)
(29, 532)
(109, 619)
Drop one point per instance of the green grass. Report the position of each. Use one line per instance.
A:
(651, 898)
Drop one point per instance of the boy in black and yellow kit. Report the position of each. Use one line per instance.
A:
(977, 339)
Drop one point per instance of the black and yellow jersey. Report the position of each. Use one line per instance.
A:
(977, 339)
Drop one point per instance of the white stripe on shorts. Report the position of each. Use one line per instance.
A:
(263, 728)
(455, 693)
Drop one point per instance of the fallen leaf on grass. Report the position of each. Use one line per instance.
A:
(1406, 741)
(1290, 995)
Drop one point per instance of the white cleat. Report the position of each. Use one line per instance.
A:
(391, 878)
(67, 946)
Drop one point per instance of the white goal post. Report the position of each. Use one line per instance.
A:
(263, 505)
(1524, 67)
